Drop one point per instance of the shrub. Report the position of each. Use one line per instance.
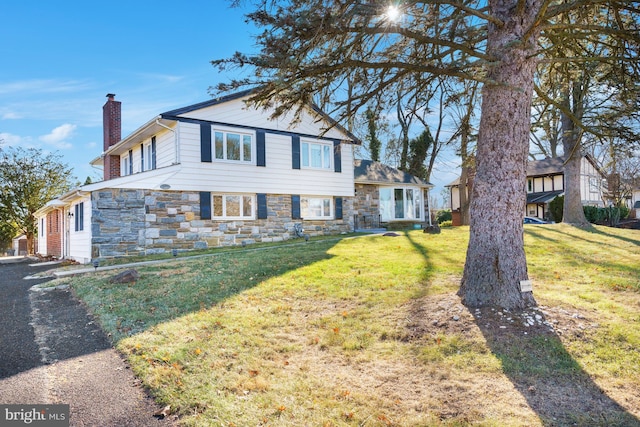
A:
(593, 214)
(447, 223)
(443, 215)
(556, 207)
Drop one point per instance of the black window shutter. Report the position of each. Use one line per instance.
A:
(261, 157)
(205, 142)
(262, 206)
(141, 157)
(337, 156)
(205, 205)
(295, 151)
(338, 207)
(295, 207)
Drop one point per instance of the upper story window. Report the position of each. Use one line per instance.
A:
(126, 164)
(316, 155)
(530, 185)
(149, 155)
(233, 146)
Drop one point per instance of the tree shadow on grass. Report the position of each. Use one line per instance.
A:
(554, 384)
(167, 291)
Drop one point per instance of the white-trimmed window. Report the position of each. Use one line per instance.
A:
(126, 164)
(316, 155)
(316, 207)
(149, 154)
(233, 146)
(401, 203)
(233, 206)
(79, 216)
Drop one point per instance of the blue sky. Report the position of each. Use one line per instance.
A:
(60, 59)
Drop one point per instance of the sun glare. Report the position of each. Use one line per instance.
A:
(393, 13)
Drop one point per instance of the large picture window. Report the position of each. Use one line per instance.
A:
(231, 146)
(401, 203)
(233, 206)
(316, 207)
(316, 155)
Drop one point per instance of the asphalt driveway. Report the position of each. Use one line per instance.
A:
(53, 352)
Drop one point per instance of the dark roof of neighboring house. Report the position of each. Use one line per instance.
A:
(370, 172)
(238, 95)
(544, 197)
(549, 166)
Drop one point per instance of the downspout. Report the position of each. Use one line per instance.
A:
(176, 141)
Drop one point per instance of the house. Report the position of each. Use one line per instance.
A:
(217, 173)
(384, 195)
(635, 203)
(545, 181)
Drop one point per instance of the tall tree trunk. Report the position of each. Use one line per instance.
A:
(572, 212)
(496, 262)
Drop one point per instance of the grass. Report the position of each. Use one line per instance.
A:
(359, 332)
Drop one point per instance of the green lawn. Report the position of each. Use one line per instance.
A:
(368, 331)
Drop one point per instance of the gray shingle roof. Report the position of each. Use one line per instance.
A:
(370, 172)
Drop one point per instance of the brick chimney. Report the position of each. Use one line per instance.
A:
(111, 123)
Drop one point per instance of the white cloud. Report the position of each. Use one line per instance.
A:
(8, 139)
(11, 115)
(58, 136)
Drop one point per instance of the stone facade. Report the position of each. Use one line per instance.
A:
(136, 222)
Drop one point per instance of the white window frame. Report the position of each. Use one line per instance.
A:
(149, 155)
(225, 197)
(416, 204)
(225, 132)
(126, 164)
(79, 217)
(326, 154)
(305, 212)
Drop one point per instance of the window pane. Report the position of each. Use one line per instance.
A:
(386, 204)
(233, 146)
(327, 207)
(304, 208)
(327, 156)
(409, 204)
(233, 205)
(316, 156)
(219, 145)
(247, 206)
(217, 206)
(304, 150)
(398, 196)
(418, 204)
(246, 148)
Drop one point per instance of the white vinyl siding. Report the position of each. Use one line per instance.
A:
(277, 177)
(236, 112)
(79, 245)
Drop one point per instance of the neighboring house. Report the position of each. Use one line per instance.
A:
(545, 181)
(218, 173)
(19, 245)
(385, 195)
(635, 204)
